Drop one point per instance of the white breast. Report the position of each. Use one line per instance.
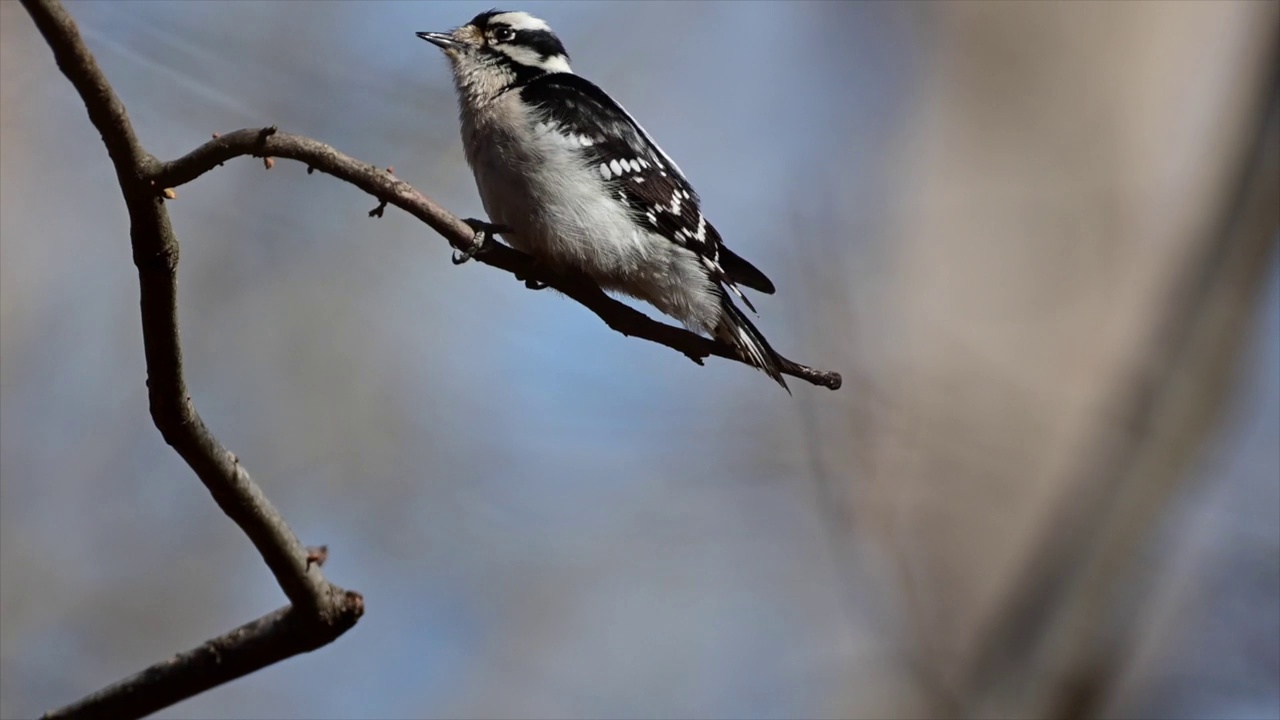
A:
(536, 181)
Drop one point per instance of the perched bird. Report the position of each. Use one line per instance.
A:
(569, 177)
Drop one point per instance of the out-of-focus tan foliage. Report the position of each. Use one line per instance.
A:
(981, 213)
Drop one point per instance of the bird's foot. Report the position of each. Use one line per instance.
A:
(530, 282)
(484, 232)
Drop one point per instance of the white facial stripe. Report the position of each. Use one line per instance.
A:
(555, 64)
(520, 21)
(532, 58)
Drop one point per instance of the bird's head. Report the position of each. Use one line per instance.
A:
(497, 50)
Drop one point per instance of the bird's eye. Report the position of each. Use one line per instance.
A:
(503, 34)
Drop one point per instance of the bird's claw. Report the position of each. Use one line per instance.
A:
(484, 232)
(461, 256)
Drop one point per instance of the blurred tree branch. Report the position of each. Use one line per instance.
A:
(1026, 495)
(319, 611)
(268, 143)
(1056, 622)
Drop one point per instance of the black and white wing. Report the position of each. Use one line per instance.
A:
(640, 174)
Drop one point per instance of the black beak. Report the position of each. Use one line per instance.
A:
(444, 41)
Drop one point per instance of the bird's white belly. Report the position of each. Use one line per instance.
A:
(556, 209)
(553, 201)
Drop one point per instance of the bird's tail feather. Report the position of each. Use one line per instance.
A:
(738, 331)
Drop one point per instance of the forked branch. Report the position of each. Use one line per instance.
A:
(319, 611)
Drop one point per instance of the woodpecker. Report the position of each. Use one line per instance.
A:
(569, 177)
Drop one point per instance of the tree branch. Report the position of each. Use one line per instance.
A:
(320, 610)
(268, 142)
(249, 648)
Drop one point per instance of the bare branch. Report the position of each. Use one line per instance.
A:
(389, 189)
(320, 611)
(155, 252)
(249, 648)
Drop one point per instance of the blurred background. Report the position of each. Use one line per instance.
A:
(1037, 239)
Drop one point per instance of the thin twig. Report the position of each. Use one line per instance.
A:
(389, 189)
